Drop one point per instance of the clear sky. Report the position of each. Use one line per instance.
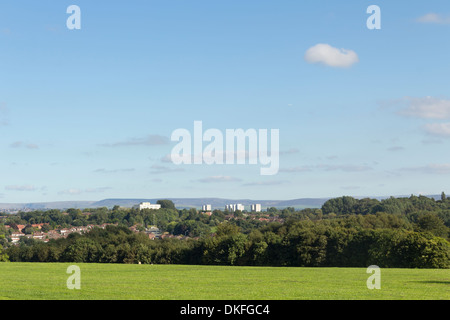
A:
(88, 114)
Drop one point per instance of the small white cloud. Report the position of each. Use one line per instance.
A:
(330, 56)
(434, 18)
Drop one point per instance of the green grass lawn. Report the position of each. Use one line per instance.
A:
(21, 281)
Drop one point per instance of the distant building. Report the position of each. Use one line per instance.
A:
(206, 207)
(234, 207)
(147, 205)
(255, 207)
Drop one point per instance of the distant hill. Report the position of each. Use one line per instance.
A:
(216, 203)
(180, 203)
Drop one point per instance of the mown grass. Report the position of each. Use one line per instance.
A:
(24, 281)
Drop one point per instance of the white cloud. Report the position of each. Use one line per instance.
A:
(434, 18)
(439, 129)
(330, 56)
(426, 108)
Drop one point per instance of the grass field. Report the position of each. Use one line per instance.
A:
(22, 281)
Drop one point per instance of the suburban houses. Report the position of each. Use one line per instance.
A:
(16, 235)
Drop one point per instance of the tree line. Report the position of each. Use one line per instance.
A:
(346, 232)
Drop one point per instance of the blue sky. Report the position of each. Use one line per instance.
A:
(88, 114)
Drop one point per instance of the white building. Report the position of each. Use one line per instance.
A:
(256, 207)
(206, 207)
(234, 207)
(148, 205)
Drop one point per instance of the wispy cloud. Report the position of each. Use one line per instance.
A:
(265, 183)
(158, 169)
(395, 149)
(97, 190)
(438, 129)
(167, 158)
(71, 191)
(21, 144)
(327, 167)
(76, 191)
(289, 151)
(330, 56)
(443, 168)
(106, 171)
(5, 31)
(425, 108)
(150, 140)
(296, 169)
(21, 188)
(350, 188)
(432, 141)
(344, 167)
(434, 18)
(218, 179)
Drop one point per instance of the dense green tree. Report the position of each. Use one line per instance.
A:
(166, 204)
(430, 222)
(3, 256)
